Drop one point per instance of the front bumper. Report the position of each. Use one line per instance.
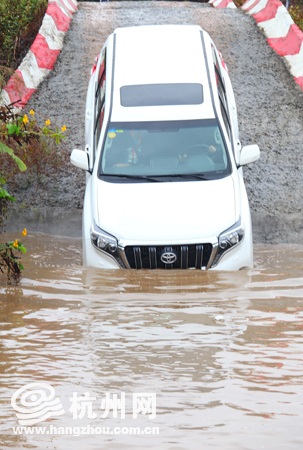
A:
(131, 255)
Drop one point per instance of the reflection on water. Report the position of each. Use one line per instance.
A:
(222, 351)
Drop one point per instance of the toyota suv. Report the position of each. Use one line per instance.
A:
(163, 160)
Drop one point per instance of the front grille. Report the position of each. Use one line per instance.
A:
(149, 257)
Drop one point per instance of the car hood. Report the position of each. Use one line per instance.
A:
(166, 212)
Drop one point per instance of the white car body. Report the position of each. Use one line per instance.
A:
(175, 223)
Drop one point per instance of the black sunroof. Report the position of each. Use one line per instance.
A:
(162, 94)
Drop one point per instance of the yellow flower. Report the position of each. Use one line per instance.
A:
(15, 244)
(24, 232)
(63, 128)
(32, 112)
(47, 122)
(25, 119)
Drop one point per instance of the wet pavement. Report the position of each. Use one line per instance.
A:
(221, 351)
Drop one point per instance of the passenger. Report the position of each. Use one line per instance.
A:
(134, 151)
(134, 148)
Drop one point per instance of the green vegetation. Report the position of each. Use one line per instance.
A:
(9, 262)
(16, 17)
(19, 23)
(22, 145)
(296, 12)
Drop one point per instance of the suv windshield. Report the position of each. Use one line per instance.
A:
(185, 149)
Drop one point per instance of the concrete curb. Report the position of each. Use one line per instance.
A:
(283, 35)
(42, 55)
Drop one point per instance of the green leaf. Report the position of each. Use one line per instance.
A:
(47, 131)
(21, 266)
(5, 149)
(12, 128)
(23, 249)
(4, 194)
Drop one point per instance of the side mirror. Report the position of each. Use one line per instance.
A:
(79, 158)
(249, 154)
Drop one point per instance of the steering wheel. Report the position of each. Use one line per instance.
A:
(204, 147)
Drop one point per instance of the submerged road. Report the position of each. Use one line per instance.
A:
(270, 109)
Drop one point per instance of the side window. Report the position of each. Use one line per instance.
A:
(225, 120)
(100, 100)
(216, 59)
(219, 77)
(221, 91)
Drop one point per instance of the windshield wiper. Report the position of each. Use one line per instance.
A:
(198, 176)
(131, 177)
(157, 178)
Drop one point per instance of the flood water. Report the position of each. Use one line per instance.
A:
(223, 352)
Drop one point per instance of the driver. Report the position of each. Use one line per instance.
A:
(211, 153)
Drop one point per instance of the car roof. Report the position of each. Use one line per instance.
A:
(160, 74)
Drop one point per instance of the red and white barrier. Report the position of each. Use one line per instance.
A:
(42, 55)
(283, 35)
(222, 3)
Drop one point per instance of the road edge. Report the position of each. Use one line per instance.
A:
(42, 55)
(282, 34)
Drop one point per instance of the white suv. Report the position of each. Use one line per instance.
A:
(164, 185)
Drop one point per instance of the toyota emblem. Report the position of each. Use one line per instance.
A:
(168, 257)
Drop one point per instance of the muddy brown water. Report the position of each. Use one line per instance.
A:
(222, 351)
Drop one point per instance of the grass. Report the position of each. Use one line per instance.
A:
(20, 21)
(296, 12)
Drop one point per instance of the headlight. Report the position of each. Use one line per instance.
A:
(103, 240)
(229, 239)
(106, 243)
